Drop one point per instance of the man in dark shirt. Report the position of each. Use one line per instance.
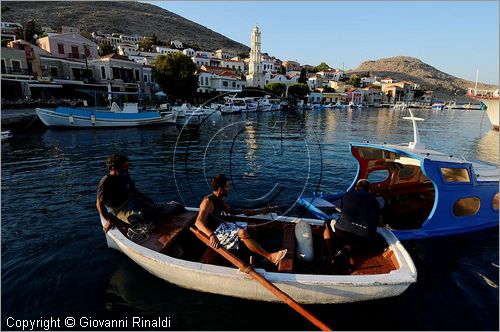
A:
(357, 225)
(118, 194)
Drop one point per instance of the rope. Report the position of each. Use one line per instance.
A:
(139, 233)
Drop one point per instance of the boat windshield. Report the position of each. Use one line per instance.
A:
(408, 194)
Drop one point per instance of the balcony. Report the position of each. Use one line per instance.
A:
(15, 71)
(76, 56)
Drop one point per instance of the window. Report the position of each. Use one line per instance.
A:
(455, 174)
(224, 84)
(378, 176)
(53, 71)
(137, 75)
(74, 52)
(60, 48)
(467, 206)
(103, 72)
(16, 66)
(145, 78)
(494, 203)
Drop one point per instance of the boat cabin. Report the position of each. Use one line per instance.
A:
(423, 193)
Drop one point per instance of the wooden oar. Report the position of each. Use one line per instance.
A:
(261, 280)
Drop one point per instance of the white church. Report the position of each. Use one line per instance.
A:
(262, 71)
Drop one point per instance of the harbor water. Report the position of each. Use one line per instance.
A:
(55, 262)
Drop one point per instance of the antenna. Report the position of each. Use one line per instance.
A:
(416, 144)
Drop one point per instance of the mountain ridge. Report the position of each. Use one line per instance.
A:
(127, 17)
(407, 68)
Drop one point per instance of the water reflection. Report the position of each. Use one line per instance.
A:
(486, 147)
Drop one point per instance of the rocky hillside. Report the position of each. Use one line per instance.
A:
(126, 17)
(413, 69)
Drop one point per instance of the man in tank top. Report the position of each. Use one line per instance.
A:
(228, 234)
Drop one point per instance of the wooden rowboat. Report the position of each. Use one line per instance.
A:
(174, 254)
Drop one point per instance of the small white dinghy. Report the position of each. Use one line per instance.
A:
(173, 253)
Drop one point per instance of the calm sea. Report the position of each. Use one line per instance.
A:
(55, 262)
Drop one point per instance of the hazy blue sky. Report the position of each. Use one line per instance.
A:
(456, 37)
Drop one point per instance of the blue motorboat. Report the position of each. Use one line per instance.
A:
(424, 193)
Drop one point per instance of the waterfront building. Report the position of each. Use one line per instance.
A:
(14, 63)
(122, 73)
(68, 29)
(220, 79)
(130, 39)
(32, 52)
(65, 71)
(255, 77)
(315, 97)
(69, 46)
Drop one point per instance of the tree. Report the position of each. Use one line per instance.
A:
(30, 29)
(277, 89)
(303, 76)
(106, 49)
(282, 70)
(322, 67)
(175, 73)
(355, 81)
(328, 89)
(418, 93)
(243, 55)
(298, 90)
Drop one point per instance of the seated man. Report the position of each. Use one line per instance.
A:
(227, 234)
(118, 194)
(357, 225)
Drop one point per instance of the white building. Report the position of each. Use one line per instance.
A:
(127, 49)
(166, 50)
(176, 43)
(189, 52)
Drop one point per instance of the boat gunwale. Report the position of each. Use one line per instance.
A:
(405, 274)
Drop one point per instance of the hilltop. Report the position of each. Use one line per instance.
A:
(128, 17)
(404, 68)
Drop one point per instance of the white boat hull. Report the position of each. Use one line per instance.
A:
(492, 111)
(304, 288)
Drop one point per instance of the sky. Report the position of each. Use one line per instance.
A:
(456, 37)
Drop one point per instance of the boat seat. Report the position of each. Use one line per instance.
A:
(166, 230)
(288, 242)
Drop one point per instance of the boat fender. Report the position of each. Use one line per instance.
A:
(92, 119)
(303, 235)
(71, 119)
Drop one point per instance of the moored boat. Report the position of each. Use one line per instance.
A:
(128, 116)
(425, 193)
(490, 99)
(174, 254)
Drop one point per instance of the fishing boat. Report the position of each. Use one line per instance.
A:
(490, 99)
(424, 193)
(128, 116)
(437, 106)
(173, 252)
